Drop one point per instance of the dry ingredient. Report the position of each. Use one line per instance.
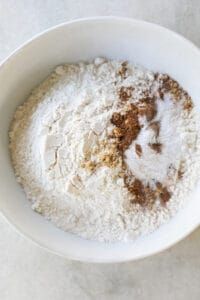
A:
(106, 150)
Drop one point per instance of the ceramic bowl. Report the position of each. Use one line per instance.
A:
(144, 43)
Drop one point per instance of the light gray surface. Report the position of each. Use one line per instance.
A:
(28, 272)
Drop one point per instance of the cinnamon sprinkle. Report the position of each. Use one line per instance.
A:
(188, 105)
(137, 190)
(122, 71)
(157, 147)
(127, 128)
(180, 171)
(147, 107)
(172, 86)
(138, 150)
(163, 192)
(155, 126)
(125, 93)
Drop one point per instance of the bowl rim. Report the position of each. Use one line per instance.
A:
(28, 43)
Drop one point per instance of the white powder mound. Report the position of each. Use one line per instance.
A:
(67, 116)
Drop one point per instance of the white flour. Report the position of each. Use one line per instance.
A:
(67, 116)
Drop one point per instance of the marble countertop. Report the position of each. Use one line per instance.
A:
(28, 272)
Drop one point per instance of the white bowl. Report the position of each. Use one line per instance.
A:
(147, 44)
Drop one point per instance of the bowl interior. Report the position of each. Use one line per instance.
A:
(149, 45)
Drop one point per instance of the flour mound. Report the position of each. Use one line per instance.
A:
(55, 138)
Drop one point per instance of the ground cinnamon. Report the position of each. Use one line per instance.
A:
(157, 147)
(127, 128)
(163, 192)
(125, 93)
(155, 126)
(147, 107)
(123, 69)
(138, 150)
